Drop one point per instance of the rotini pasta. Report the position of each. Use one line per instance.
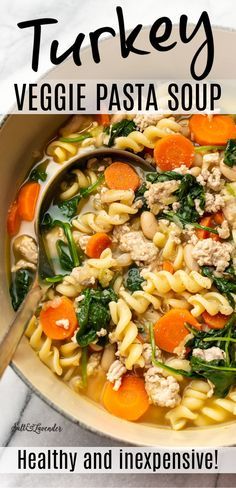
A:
(58, 359)
(162, 282)
(213, 302)
(126, 333)
(167, 239)
(138, 140)
(82, 181)
(139, 301)
(61, 151)
(194, 397)
(219, 410)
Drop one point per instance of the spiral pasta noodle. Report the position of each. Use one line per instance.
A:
(162, 282)
(172, 300)
(171, 247)
(74, 283)
(139, 301)
(82, 181)
(61, 151)
(57, 359)
(194, 397)
(126, 333)
(213, 302)
(218, 411)
(104, 221)
(138, 140)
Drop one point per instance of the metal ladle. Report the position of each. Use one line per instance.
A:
(35, 294)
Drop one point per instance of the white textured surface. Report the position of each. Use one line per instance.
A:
(17, 403)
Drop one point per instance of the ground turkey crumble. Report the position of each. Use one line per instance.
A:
(144, 121)
(159, 195)
(213, 202)
(211, 179)
(115, 373)
(147, 355)
(208, 252)
(27, 248)
(141, 250)
(224, 230)
(162, 391)
(211, 354)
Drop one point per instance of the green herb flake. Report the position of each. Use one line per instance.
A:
(230, 153)
(21, 283)
(122, 128)
(134, 280)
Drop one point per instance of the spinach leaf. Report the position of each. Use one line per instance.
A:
(164, 176)
(225, 284)
(189, 190)
(99, 315)
(104, 296)
(93, 314)
(69, 207)
(39, 173)
(87, 338)
(213, 337)
(64, 258)
(22, 280)
(181, 221)
(230, 153)
(215, 371)
(48, 222)
(83, 311)
(139, 195)
(122, 128)
(134, 280)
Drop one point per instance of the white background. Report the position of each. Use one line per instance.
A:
(17, 403)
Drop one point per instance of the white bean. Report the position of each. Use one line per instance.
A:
(188, 258)
(108, 357)
(229, 173)
(149, 224)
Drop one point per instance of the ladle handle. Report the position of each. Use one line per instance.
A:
(18, 326)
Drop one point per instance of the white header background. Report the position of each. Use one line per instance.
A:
(76, 16)
(17, 402)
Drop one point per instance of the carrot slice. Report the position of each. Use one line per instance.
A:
(130, 402)
(27, 200)
(170, 329)
(103, 119)
(168, 266)
(206, 222)
(218, 217)
(217, 321)
(172, 151)
(210, 221)
(13, 220)
(55, 311)
(121, 176)
(215, 130)
(97, 243)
